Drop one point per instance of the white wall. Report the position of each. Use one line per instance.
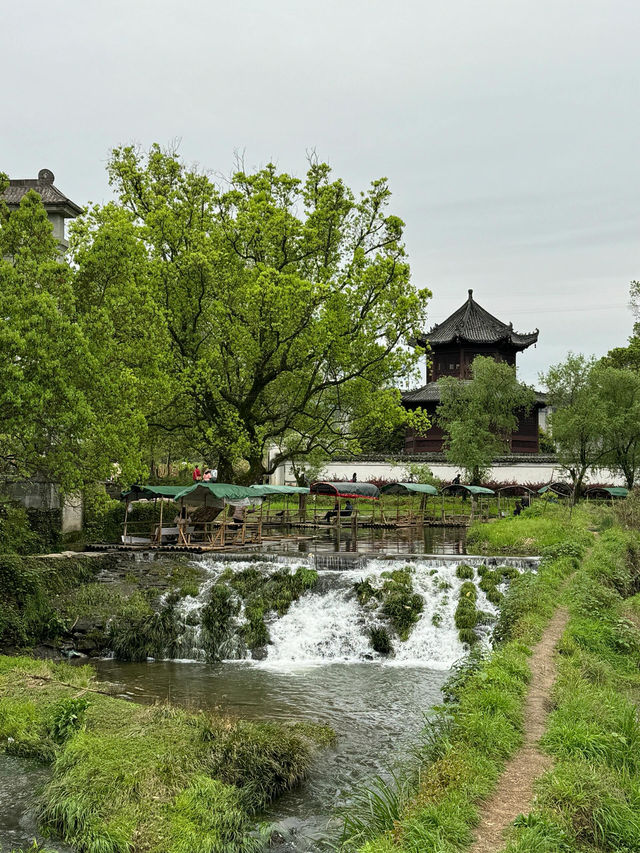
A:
(523, 472)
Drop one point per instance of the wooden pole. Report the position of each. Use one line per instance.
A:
(126, 515)
(159, 537)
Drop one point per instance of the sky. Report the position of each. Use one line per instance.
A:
(509, 130)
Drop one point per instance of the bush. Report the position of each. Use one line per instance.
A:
(380, 641)
(464, 572)
(401, 605)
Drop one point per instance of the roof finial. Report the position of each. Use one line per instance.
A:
(46, 176)
(470, 293)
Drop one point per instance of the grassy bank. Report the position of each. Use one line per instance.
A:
(540, 527)
(134, 778)
(463, 751)
(590, 801)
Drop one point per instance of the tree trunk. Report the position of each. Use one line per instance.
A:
(225, 470)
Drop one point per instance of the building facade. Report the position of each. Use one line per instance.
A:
(452, 346)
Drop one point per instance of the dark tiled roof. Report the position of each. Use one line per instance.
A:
(430, 393)
(473, 324)
(51, 196)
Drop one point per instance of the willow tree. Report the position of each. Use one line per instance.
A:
(479, 415)
(285, 305)
(578, 419)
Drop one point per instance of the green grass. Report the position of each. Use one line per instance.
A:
(159, 779)
(479, 727)
(532, 532)
(590, 801)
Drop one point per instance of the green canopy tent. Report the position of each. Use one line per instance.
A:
(563, 490)
(146, 493)
(216, 495)
(423, 490)
(203, 494)
(606, 493)
(283, 516)
(476, 493)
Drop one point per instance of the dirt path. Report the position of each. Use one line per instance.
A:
(515, 787)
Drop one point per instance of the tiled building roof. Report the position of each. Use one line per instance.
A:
(52, 198)
(430, 393)
(471, 323)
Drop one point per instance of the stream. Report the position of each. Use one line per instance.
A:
(319, 666)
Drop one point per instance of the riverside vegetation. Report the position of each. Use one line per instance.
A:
(59, 602)
(130, 777)
(589, 801)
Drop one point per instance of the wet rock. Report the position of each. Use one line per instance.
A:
(86, 624)
(86, 644)
(276, 838)
(259, 654)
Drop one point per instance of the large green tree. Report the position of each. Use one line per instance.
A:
(479, 415)
(283, 306)
(617, 393)
(578, 419)
(66, 414)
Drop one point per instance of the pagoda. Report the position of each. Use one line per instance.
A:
(452, 345)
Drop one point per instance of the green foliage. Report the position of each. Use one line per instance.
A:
(400, 604)
(216, 619)
(262, 594)
(374, 810)
(464, 572)
(27, 588)
(209, 817)
(69, 405)
(127, 776)
(141, 633)
(466, 615)
(67, 717)
(380, 640)
(416, 472)
(596, 417)
(305, 283)
(16, 534)
(365, 591)
(590, 799)
(531, 532)
(478, 417)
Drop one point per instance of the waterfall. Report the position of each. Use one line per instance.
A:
(327, 624)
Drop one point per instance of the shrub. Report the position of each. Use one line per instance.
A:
(380, 640)
(468, 636)
(67, 717)
(464, 572)
(400, 604)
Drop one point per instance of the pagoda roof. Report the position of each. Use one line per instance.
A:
(472, 324)
(53, 199)
(431, 393)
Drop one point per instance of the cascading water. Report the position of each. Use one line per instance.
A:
(328, 624)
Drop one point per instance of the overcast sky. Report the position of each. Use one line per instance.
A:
(509, 129)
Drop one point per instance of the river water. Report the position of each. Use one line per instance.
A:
(376, 711)
(319, 667)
